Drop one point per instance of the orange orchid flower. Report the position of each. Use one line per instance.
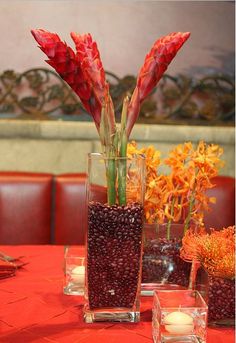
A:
(181, 195)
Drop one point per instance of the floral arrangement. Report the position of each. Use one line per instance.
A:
(84, 73)
(215, 251)
(179, 196)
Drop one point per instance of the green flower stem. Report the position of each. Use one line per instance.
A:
(122, 173)
(156, 228)
(123, 153)
(111, 181)
(191, 205)
(170, 220)
(109, 145)
(193, 274)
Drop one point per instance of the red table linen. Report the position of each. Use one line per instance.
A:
(33, 307)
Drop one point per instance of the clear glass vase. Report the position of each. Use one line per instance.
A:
(163, 268)
(114, 238)
(219, 294)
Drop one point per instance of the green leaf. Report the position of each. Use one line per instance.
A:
(69, 108)
(56, 92)
(35, 80)
(7, 108)
(29, 101)
(9, 74)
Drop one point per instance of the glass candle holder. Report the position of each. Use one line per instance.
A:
(179, 316)
(74, 272)
(219, 294)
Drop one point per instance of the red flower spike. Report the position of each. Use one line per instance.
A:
(155, 64)
(63, 59)
(89, 57)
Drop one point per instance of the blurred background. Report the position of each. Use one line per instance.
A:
(124, 31)
(194, 101)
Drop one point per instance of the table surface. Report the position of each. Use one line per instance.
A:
(33, 307)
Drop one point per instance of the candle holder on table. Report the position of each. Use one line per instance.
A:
(179, 316)
(74, 272)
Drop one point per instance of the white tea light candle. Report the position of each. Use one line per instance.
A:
(178, 323)
(78, 274)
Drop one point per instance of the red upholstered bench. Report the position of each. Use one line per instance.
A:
(32, 211)
(70, 216)
(223, 212)
(25, 208)
(70, 213)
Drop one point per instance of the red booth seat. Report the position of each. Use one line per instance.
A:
(25, 208)
(70, 209)
(38, 208)
(71, 215)
(222, 213)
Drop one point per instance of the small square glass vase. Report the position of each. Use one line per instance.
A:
(74, 271)
(219, 294)
(162, 266)
(179, 316)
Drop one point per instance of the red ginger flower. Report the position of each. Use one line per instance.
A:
(91, 64)
(84, 72)
(89, 57)
(155, 64)
(69, 66)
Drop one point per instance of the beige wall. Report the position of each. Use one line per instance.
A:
(62, 147)
(124, 30)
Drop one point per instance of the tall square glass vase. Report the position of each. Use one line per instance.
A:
(115, 194)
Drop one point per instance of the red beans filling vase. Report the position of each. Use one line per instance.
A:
(219, 294)
(114, 239)
(163, 268)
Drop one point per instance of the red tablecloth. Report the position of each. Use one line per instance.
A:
(33, 307)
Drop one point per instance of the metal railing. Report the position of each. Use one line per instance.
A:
(39, 93)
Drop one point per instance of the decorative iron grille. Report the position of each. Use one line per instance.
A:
(40, 93)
